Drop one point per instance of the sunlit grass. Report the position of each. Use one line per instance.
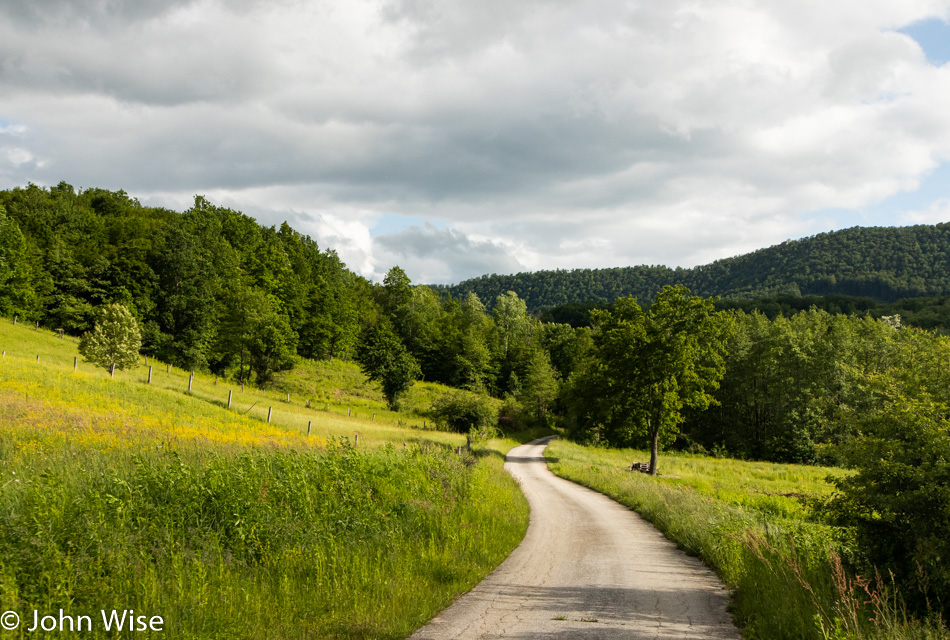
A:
(777, 489)
(122, 494)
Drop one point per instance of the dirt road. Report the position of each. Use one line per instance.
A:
(587, 568)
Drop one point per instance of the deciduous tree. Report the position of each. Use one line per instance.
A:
(115, 339)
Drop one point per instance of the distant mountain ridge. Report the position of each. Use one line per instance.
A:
(883, 263)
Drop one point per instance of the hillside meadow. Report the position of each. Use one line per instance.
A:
(123, 495)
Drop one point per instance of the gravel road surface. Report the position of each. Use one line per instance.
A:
(587, 568)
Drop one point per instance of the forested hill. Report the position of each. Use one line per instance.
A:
(883, 263)
(210, 287)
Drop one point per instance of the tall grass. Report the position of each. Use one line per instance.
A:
(745, 520)
(115, 494)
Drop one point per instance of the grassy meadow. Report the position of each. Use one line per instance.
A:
(118, 494)
(749, 521)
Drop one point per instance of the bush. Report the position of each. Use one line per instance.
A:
(464, 412)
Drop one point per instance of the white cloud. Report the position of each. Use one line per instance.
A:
(573, 133)
(938, 211)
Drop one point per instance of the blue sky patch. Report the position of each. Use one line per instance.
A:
(392, 223)
(933, 35)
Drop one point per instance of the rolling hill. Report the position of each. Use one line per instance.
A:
(882, 263)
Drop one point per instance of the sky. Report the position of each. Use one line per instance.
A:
(456, 138)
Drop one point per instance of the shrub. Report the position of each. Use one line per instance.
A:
(464, 411)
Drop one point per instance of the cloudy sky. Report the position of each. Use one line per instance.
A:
(462, 137)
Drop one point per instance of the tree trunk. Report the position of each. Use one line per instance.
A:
(654, 430)
(654, 449)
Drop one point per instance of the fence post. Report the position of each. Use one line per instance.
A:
(168, 368)
(149, 375)
(37, 326)
(288, 398)
(347, 412)
(269, 409)
(356, 439)
(111, 369)
(75, 363)
(229, 398)
(15, 316)
(191, 379)
(37, 358)
(309, 422)
(374, 417)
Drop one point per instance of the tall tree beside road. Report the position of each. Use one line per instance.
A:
(649, 365)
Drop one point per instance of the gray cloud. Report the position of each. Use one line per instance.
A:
(542, 134)
(445, 255)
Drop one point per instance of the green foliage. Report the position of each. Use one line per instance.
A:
(648, 366)
(180, 275)
(465, 412)
(793, 385)
(17, 292)
(899, 500)
(384, 359)
(115, 339)
(540, 387)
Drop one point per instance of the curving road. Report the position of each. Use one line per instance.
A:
(587, 568)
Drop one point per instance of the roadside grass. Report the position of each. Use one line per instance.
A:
(121, 495)
(747, 522)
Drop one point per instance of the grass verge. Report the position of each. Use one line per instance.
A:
(745, 521)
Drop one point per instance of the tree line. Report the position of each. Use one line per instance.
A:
(881, 263)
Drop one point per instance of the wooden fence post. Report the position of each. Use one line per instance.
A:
(191, 379)
(168, 368)
(269, 409)
(288, 398)
(15, 316)
(229, 398)
(347, 412)
(149, 375)
(37, 358)
(75, 363)
(374, 417)
(111, 370)
(356, 439)
(309, 422)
